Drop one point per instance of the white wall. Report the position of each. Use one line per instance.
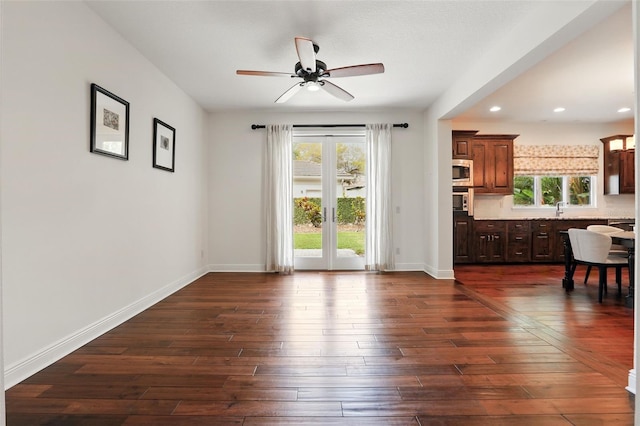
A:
(87, 240)
(501, 206)
(2, 399)
(438, 219)
(236, 230)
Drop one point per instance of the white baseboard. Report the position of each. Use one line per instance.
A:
(446, 274)
(21, 370)
(399, 267)
(237, 268)
(408, 267)
(631, 387)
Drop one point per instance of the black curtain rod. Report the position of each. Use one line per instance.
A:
(262, 126)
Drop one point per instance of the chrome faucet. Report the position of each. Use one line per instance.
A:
(558, 211)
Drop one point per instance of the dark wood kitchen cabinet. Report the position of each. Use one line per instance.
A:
(628, 170)
(546, 242)
(518, 241)
(542, 233)
(619, 165)
(513, 240)
(461, 143)
(489, 239)
(462, 234)
(493, 164)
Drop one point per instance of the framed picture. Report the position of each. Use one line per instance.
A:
(109, 124)
(164, 146)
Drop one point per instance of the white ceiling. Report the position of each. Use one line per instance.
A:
(591, 77)
(425, 47)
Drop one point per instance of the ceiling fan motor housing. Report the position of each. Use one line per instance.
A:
(321, 68)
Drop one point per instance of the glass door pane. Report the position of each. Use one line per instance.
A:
(350, 193)
(308, 209)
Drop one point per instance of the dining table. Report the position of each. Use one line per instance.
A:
(624, 238)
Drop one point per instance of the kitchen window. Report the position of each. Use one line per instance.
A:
(547, 191)
(545, 175)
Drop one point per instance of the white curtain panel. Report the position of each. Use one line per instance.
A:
(279, 198)
(379, 241)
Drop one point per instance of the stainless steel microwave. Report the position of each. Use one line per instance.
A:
(463, 201)
(462, 172)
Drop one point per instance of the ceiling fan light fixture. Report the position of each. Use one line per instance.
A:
(312, 86)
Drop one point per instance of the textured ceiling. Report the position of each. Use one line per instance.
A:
(425, 47)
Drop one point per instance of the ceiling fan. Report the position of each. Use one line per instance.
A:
(314, 72)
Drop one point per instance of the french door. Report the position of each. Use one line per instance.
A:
(329, 201)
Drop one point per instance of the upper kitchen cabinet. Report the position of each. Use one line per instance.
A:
(493, 164)
(619, 168)
(461, 143)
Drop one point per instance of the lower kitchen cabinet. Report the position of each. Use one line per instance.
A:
(489, 239)
(512, 241)
(518, 241)
(462, 232)
(542, 234)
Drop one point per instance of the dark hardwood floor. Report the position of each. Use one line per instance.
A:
(505, 345)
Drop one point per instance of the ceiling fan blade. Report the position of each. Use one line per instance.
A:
(289, 93)
(306, 53)
(336, 91)
(355, 70)
(265, 73)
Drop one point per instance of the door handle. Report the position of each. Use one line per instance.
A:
(324, 215)
(333, 214)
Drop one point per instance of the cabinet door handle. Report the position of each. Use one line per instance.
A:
(518, 238)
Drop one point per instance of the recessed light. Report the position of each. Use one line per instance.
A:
(495, 108)
(625, 109)
(559, 109)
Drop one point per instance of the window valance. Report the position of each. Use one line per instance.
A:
(555, 160)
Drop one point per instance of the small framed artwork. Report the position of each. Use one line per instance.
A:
(109, 124)
(164, 146)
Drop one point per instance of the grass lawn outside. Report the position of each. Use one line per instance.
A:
(346, 240)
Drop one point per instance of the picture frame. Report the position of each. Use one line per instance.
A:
(164, 146)
(109, 124)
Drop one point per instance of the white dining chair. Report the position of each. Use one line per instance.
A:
(616, 249)
(592, 249)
